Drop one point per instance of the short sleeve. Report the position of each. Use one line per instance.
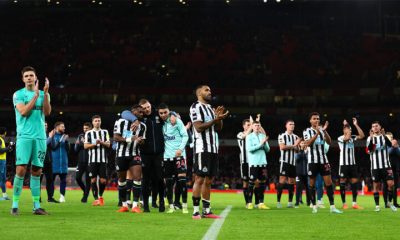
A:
(280, 139)
(240, 136)
(88, 138)
(117, 128)
(306, 135)
(17, 98)
(107, 136)
(340, 139)
(195, 115)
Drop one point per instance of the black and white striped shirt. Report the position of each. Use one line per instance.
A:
(379, 156)
(206, 141)
(122, 128)
(98, 153)
(315, 152)
(347, 151)
(241, 138)
(287, 139)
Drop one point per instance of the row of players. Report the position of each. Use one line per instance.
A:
(253, 144)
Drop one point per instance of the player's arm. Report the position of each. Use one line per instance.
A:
(88, 142)
(370, 146)
(46, 100)
(19, 104)
(184, 135)
(106, 143)
(252, 144)
(327, 138)
(310, 141)
(266, 146)
(360, 132)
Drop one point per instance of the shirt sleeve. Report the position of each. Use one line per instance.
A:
(117, 128)
(280, 139)
(143, 129)
(240, 136)
(107, 136)
(195, 115)
(183, 133)
(88, 138)
(17, 99)
(306, 135)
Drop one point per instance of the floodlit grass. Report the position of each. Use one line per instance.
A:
(74, 220)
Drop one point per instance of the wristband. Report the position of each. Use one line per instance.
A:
(128, 140)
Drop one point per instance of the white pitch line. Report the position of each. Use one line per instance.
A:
(214, 229)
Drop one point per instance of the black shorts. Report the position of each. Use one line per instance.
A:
(174, 166)
(381, 175)
(287, 170)
(322, 168)
(205, 164)
(98, 169)
(244, 171)
(348, 171)
(258, 172)
(124, 163)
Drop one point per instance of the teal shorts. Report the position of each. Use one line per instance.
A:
(30, 151)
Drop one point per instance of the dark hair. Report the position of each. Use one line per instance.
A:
(313, 114)
(136, 106)
(96, 116)
(163, 106)
(347, 126)
(3, 130)
(289, 120)
(88, 124)
(143, 101)
(27, 69)
(256, 122)
(245, 121)
(374, 122)
(57, 124)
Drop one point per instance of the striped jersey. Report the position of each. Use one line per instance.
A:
(122, 127)
(206, 141)
(98, 153)
(241, 138)
(316, 152)
(379, 156)
(288, 156)
(347, 151)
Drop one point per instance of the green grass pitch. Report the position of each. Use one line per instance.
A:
(74, 220)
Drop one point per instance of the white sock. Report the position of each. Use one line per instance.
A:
(184, 205)
(5, 195)
(333, 207)
(354, 203)
(124, 204)
(196, 209)
(134, 204)
(208, 210)
(171, 206)
(128, 202)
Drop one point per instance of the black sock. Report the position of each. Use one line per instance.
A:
(137, 190)
(95, 190)
(390, 195)
(354, 191)
(129, 185)
(245, 194)
(170, 189)
(376, 198)
(177, 191)
(206, 204)
(122, 191)
(260, 192)
(329, 191)
(250, 191)
(395, 194)
(343, 192)
(312, 195)
(78, 180)
(385, 193)
(182, 185)
(279, 192)
(196, 201)
(102, 188)
(291, 190)
(256, 195)
(299, 192)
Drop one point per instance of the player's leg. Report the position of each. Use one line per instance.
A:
(169, 177)
(136, 170)
(129, 186)
(87, 182)
(103, 181)
(37, 158)
(385, 193)
(281, 184)
(291, 182)
(319, 186)
(159, 180)
(299, 190)
(376, 188)
(63, 186)
(146, 169)
(353, 175)
(3, 179)
(94, 172)
(48, 173)
(79, 175)
(198, 183)
(244, 171)
(122, 186)
(343, 191)
(182, 183)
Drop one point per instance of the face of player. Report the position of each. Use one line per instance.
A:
(376, 128)
(138, 112)
(146, 108)
(164, 113)
(205, 93)
(96, 123)
(60, 128)
(290, 126)
(256, 127)
(29, 78)
(246, 126)
(86, 128)
(346, 131)
(314, 120)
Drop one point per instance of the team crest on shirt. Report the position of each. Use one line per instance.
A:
(309, 173)
(204, 169)
(341, 174)
(283, 172)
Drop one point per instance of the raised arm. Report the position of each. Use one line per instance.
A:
(46, 101)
